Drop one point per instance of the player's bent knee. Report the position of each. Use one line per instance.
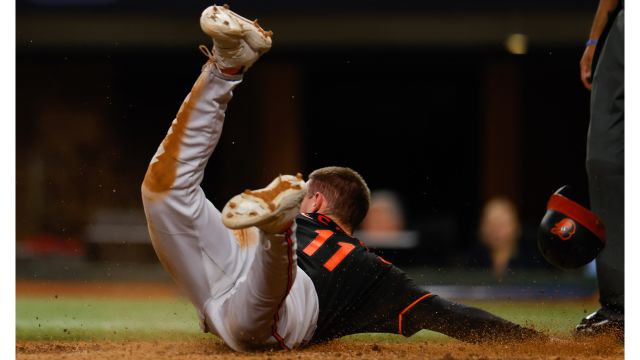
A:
(251, 336)
(179, 199)
(160, 183)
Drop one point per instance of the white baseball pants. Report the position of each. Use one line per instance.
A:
(245, 285)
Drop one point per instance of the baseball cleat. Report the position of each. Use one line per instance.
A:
(237, 42)
(601, 322)
(271, 209)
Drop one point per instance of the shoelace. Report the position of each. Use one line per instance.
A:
(205, 50)
(231, 53)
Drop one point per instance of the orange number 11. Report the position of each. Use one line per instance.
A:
(335, 259)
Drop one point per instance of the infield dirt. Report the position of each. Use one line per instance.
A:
(213, 349)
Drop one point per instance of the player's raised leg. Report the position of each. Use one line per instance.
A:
(186, 230)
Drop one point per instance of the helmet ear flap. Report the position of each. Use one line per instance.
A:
(569, 235)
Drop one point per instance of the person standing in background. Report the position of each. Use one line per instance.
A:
(602, 72)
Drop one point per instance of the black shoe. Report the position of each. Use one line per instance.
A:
(601, 322)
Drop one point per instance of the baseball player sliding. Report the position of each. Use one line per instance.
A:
(278, 268)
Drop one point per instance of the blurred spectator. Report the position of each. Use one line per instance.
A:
(385, 213)
(384, 225)
(501, 247)
(386, 230)
(499, 233)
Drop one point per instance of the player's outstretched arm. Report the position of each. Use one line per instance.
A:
(465, 323)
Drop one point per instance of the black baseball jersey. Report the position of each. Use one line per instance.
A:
(358, 291)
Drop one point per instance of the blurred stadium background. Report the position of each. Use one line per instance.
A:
(441, 105)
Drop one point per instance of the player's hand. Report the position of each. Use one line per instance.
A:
(585, 66)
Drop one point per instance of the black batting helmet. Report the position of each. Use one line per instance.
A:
(570, 235)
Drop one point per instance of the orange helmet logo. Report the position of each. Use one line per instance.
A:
(564, 229)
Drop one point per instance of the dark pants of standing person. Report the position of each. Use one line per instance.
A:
(605, 166)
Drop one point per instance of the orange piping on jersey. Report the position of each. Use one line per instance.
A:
(324, 220)
(276, 316)
(409, 308)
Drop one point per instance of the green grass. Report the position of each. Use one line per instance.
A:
(113, 319)
(62, 318)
